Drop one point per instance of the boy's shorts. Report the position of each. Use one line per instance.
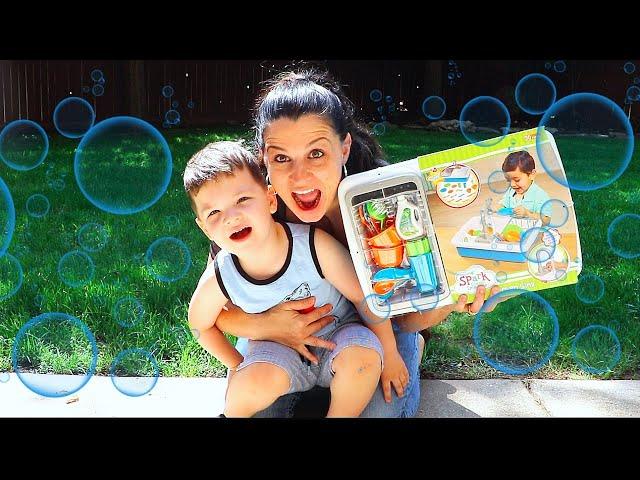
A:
(304, 375)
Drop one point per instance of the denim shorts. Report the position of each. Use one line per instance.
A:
(303, 375)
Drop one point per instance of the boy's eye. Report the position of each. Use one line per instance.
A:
(243, 199)
(316, 153)
(280, 158)
(213, 212)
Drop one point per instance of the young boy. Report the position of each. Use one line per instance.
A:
(525, 197)
(263, 263)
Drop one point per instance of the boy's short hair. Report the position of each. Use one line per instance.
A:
(521, 159)
(217, 159)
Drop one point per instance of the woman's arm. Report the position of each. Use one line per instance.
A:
(416, 321)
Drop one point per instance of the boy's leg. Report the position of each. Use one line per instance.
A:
(269, 370)
(406, 406)
(254, 388)
(352, 369)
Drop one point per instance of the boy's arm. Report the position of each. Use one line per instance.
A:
(206, 304)
(337, 268)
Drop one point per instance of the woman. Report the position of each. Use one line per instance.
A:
(308, 140)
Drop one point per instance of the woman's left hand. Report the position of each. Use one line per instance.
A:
(478, 302)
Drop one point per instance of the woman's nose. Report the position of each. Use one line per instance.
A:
(299, 171)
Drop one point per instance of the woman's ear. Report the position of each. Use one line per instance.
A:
(346, 148)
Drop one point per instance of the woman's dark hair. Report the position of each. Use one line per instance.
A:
(293, 94)
(521, 159)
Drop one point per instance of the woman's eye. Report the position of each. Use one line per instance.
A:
(316, 153)
(213, 212)
(243, 199)
(280, 158)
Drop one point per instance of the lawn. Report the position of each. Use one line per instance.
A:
(126, 306)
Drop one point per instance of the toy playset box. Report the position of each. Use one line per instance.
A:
(425, 231)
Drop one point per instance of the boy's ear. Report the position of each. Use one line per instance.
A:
(273, 200)
(201, 227)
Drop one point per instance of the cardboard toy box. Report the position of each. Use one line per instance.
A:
(454, 231)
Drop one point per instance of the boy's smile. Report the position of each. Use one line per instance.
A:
(235, 211)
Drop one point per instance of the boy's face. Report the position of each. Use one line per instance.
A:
(235, 211)
(520, 181)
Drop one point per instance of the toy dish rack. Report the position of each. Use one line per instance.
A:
(396, 275)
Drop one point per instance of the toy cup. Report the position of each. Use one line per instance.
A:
(387, 238)
(388, 256)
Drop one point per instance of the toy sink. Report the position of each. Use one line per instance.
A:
(470, 241)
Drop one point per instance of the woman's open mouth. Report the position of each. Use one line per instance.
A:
(307, 199)
(240, 234)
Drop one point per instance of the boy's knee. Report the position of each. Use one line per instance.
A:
(260, 378)
(358, 360)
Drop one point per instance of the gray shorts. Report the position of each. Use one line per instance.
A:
(303, 375)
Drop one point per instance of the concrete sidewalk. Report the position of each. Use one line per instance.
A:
(203, 397)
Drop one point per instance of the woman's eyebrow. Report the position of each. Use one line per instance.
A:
(317, 140)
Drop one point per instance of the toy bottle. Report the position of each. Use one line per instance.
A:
(408, 222)
(420, 258)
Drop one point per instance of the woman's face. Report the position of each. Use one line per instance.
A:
(304, 158)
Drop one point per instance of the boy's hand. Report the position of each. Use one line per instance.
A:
(395, 373)
(521, 211)
(294, 329)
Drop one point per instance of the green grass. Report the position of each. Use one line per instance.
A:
(120, 271)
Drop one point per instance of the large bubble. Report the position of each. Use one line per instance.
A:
(134, 372)
(127, 311)
(629, 68)
(23, 144)
(375, 95)
(54, 343)
(76, 268)
(590, 288)
(37, 205)
(7, 217)
(489, 121)
(168, 259)
(623, 235)
(520, 335)
(596, 349)
(92, 237)
(535, 93)
(123, 165)
(10, 276)
(586, 122)
(434, 107)
(73, 117)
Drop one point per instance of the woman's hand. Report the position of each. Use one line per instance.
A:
(288, 326)
(416, 321)
(478, 302)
